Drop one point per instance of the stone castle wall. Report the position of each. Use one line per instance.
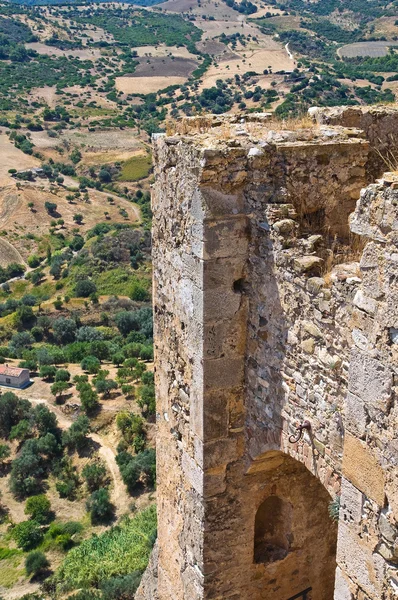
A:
(270, 310)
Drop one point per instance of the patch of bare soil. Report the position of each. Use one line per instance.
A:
(385, 26)
(9, 254)
(165, 67)
(44, 94)
(275, 56)
(104, 139)
(12, 158)
(218, 10)
(212, 47)
(83, 54)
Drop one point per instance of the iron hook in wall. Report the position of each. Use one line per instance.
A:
(304, 425)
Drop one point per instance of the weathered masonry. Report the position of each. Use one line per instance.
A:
(276, 306)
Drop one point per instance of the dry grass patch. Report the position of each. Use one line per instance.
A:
(83, 54)
(146, 85)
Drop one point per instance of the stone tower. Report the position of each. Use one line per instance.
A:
(276, 332)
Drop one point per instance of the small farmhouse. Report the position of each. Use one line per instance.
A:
(14, 377)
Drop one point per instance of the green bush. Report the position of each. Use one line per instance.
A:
(91, 364)
(76, 437)
(99, 506)
(137, 470)
(62, 375)
(95, 475)
(139, 292)
(35, 563)
(39, 509)
(121, 588)
(84, 288)
(27, 535)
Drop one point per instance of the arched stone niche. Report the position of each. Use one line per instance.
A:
(272, 530)
(293, 539)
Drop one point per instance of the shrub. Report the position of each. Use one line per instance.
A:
(39, 509)
(35, 563)
(27, 535)
(88, 398)
(64, 330)
(105, 386)
(121, 588)
(62, 375)
(50, 207)
(48, 371)
(44, 419)
(99, 506)
(88, 334)
(12, 410)
(139, 292)
(91, 364)
(68, 481)
(76, 436)
(59, 388)
(78, 218)
(21, 431)
(147, 400)
(95, 475)
(4, 452)
(84, 288)
(136, 470)
(34, 261)
(27, 471)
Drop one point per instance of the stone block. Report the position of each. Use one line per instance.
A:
(362, 469)
(225, 338)
(308, 264)
(355, 417)
(359, 563)
(219, 453)
(216, 203)
(220, 304)
(216, 416)
(223, 373)
(342, 588)
(192, 472)
(312, 329)
(365, 303)
(370, 380)
(225, 238)
(351, 503)
(215, 482)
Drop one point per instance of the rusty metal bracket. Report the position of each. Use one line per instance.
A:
(304, 425)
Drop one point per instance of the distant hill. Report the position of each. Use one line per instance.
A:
(79, 2)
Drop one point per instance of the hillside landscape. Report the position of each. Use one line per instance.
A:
(83, 87)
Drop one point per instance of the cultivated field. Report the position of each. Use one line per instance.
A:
(372, 49)
(165, 67)
(162, 50)
(146, 85)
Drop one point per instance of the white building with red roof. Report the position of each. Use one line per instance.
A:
(14, 377)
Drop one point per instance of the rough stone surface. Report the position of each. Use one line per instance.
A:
(266, 316)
